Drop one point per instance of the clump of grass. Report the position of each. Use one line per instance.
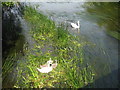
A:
(55, 43)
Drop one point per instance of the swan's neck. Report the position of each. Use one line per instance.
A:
(78, 23)
(49, 64)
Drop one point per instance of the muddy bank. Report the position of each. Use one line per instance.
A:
(11, 28)
(12, 41)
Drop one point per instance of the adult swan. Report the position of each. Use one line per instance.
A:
(76, 26)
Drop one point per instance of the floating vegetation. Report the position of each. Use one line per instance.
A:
(57, 44)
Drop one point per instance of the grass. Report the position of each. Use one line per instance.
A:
(54, 43)
(10, 61)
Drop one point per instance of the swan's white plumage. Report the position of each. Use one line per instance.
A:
(45, 69)
(45, 65)
(75, 25)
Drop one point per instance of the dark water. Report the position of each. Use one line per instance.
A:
(102, 54)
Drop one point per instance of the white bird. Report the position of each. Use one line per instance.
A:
(46, 69)
(76, 26)
(45, 65)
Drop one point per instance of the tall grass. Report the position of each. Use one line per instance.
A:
(55, 43)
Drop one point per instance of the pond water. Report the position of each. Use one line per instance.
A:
(102, 54)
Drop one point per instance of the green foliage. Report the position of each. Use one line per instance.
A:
(57, 44)
(8, 4)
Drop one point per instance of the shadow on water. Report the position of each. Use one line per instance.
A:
(109, 81)
(104, 14)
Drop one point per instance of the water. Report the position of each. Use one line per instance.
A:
(102, 54)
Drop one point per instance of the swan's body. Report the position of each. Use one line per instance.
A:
(76, 26)
(46, 68)
(45, 65)
(54, 65)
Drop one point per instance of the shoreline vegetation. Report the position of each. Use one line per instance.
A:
(12, 42)
(57, 44)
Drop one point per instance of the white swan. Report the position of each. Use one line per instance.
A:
(47, 68)
(45, 65)
(76, 26)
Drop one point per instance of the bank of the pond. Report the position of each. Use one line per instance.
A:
(12, 42)
(57, 44)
